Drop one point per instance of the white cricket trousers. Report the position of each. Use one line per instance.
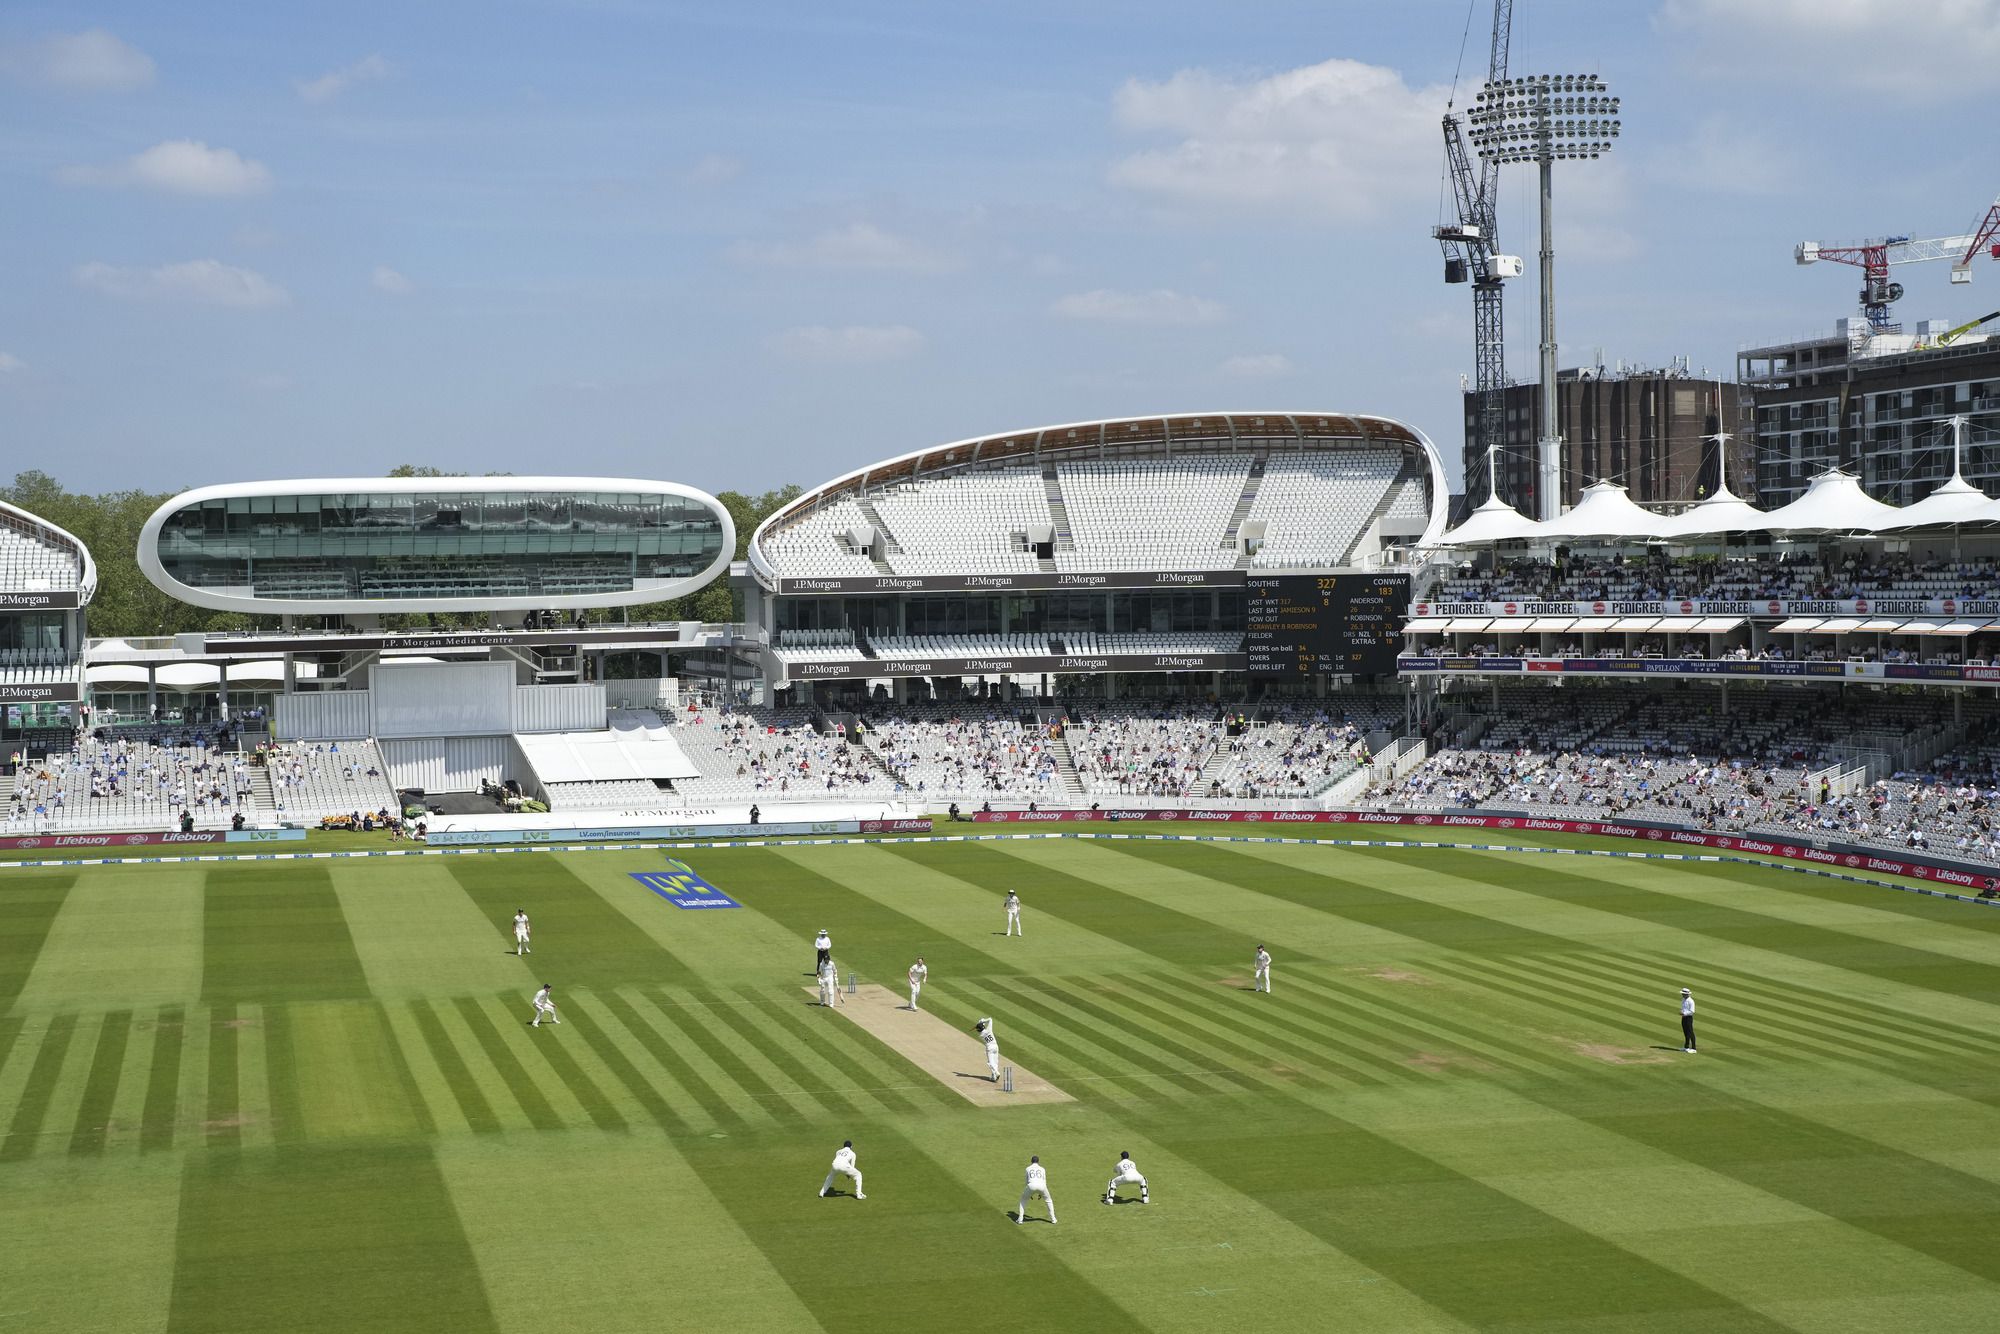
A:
(1021, 1214)
(993, 1060)
(1125, 1179)
(548, 1010)
(1263, 982)
(1014, 923)
(915, 987)
(850, 1173)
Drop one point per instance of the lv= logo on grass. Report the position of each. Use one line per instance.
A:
(681, 887)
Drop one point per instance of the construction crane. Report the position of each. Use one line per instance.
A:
(1951, 336)
(1471, 254)
(1874, 259)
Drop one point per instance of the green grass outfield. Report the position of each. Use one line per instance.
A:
(303, 1096)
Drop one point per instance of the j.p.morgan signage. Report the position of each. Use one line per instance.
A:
(48, 601)
(47, 692)
(1002, 664)
(1037, 582)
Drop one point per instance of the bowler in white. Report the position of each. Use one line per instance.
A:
(843, 1166)
(521, 932)
(1036, 1184)
(918, 975)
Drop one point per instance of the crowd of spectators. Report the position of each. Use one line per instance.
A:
(1654, 577)
(129, 781)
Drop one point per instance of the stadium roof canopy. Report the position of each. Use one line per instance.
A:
(1956, 501)
(1494, 521)
(1603, 510)
(40, 562)
(1833, 503)
(1717, 515)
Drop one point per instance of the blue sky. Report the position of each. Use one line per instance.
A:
(739, 245)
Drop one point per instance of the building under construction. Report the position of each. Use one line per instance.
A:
(1885, 416)
(1652, 431)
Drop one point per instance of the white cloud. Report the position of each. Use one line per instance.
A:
(850, 343)
(11, 364)
(1890, 49)
(386, 279)
(90, 61)
(713, 169)
(368, 69)
(1340, 139)
(1726, 158)
(1159, 306)
(204, 282)
(1257, 366)
(858, 245)
(178, 166)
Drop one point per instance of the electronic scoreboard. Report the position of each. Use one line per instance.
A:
(1301, 625)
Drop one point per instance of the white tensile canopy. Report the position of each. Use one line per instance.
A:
(1494, 521)
(1833, 503)
(1716, 516)
(1603, 510)
(1956, 501)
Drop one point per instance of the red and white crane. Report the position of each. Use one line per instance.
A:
(1875, 258)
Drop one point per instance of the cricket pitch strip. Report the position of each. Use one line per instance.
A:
(956, 1060)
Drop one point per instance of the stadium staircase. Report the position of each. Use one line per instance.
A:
(263, 801)
(890, 546)
(1242, 510)
(1058, 512)
(844, 724)
(1408, 472)
(1065, 762)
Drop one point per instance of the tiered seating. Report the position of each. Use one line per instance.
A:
(125, 783)
(1300, 750)
(959, 646)
(1143, 750)
(30, 565)
(817, 645)
(31, 666)
(1314, 508)
(611, 794)
(817, 543)
(970, 521)
(1164, 514)
(759, 752)
(1152, 641)
(1794, 577)
(942, 753)
(311, 780)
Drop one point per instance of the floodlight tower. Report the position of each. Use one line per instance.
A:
(1542, 119)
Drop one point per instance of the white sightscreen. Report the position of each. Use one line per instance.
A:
(442, 699)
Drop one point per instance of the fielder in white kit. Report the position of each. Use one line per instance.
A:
(843, 1166)
(918, 975)
(1128, 1175)
(1262, 980)
(1037, 1184)
(984, 1028)
(545, 1005)
(521, 932)
(1014, 914)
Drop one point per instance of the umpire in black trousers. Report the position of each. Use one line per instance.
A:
(1687, 1020)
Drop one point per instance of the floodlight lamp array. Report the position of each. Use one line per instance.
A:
(1543, 117)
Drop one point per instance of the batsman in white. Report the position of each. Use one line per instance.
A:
(843, 1166)
(544, 1005)
(1128, 1175)
(829, 983)
(918, 975)
(984, 1029)
(1014, 914)
(1036, 1184)
(521, 932)
(1262, 981)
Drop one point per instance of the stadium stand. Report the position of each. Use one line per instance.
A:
(820, 542)
(29, 563)
(1315, 508)
(1115, 511)
(974, 522)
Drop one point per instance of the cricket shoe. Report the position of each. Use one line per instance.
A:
(860, 1197)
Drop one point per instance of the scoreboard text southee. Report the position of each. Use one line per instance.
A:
(1300, 625)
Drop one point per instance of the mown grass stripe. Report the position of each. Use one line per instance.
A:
(1210, 1069)
(1231, 1062)
(575, 926)
(702, 1085)
(486, 1032)
(891, 1083)
(1820, 946)
(1096, 1069)
(1251, 1045)
(813, 1093)
(1360, 1055)
(1473, 1251)
(1340, 896)
(1149, 928)
(643, 1091)
(472, 1103)
(731, 1057)
(1543, 1000)
(32, 904)
(161, 1117)
(100, 1089)
(275, 933)
(281, 1074)
(1342, 1001)
(1861, 1182)
(596, 1105)
(222, 1124)
(25, 1128)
